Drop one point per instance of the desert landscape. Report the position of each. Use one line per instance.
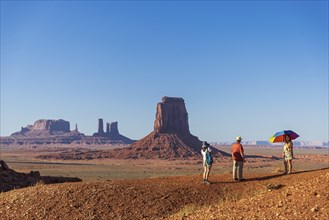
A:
(89, 167)
(156, 177)
(168, 189)
(118, 110)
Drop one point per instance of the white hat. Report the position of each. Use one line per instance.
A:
(204, 144)
(238, 138)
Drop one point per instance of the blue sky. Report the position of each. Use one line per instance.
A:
(247, 68)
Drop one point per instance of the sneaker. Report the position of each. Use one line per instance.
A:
(207, 182)
(235, 179)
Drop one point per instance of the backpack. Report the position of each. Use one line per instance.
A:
(209, 159)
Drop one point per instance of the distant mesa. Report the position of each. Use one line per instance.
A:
(55, 132)
(171, 137)
(45, 127)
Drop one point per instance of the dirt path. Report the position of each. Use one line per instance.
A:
(171, 197)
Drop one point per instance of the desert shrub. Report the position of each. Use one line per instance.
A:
(272, 186)
(39, 183)
(187, 210)
(278, 170)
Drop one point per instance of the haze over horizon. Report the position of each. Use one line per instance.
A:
(243, 68)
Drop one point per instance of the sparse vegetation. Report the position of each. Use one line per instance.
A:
(187, 210)
(40, 183)
(278, 170)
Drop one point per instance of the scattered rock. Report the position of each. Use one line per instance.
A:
(272, 186)
(315, 209)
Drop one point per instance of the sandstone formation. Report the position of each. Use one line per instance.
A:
(57, 132)
(171, 117)
(45, 127)
(100, 130)
(44, 132)
(114, 129)
(100, 126)
(10, 179)
(171, 137)
(112, 132)
(107, 127)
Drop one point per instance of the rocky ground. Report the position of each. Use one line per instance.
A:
(297, 196)
(301, 195)
(10, 179)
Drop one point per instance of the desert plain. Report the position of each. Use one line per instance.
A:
(167, 189)
(259, 160)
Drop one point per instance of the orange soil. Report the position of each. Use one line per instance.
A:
(303, 195)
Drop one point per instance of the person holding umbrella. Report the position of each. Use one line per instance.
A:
(287, 154)
(286, 136)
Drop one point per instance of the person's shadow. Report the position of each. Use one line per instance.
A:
(282, 174)
(262, 157)
(270, 176)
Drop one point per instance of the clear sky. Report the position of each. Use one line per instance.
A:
(247, 68)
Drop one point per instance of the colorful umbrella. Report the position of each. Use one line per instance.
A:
(279, 136)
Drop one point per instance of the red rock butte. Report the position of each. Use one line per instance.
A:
(171, 117)
(171, 137)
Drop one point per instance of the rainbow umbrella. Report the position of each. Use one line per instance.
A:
(279, 136)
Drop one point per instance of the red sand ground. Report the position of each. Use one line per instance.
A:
(302, 195)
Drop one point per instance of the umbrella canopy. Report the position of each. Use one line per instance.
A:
(279, 136)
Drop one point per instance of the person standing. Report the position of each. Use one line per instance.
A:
(238, 159)
(287, 154)
(206, 155)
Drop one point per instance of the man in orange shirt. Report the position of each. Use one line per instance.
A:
(238, 159)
